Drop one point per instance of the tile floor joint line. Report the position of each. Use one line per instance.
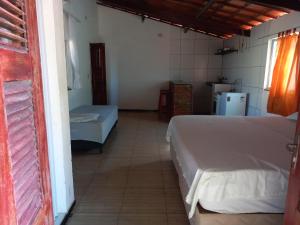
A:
(148, 194)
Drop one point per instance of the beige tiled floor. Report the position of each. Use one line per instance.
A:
(133, 182)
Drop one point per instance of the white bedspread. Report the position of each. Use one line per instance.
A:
(94, 130)
(83, 117)
(233, 164)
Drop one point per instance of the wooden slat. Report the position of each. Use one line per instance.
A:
(21, 187)
(11, 17)
(267, 14)
(241, 14)
(18, 147)
(11, 7)
(18, 137)
(6, 24)
(209, 31)
(17, 154)
(19, 3)
(235, 14)
(11, 36)
(14, 88)
(25, 168)
(30, 190)
(205, 8)
(185, 19)
(280, 5)
(22, 116)
(235, 22)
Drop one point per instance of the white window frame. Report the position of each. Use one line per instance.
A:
(271, 60)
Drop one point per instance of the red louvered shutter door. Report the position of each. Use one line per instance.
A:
(25, 195)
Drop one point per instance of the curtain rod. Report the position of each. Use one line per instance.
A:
(269, 35)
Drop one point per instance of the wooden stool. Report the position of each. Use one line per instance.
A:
(163, 104)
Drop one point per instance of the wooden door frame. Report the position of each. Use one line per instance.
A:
(53, 77)
(291, 210)
(56, 102)
(103, 54)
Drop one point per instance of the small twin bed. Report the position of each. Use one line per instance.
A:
(93, 123)
(232, 170)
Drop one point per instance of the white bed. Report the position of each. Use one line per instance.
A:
(232, 165)
(98, 128)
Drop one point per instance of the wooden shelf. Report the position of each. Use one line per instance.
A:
(225, 52)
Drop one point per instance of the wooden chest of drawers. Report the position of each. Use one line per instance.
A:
(181, 98)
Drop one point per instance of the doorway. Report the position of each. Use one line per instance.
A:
(98, 73)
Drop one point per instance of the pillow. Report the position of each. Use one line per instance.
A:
(293, 116)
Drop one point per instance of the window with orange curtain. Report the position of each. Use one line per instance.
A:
(284, 91)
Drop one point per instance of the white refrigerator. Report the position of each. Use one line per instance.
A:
(231, 104)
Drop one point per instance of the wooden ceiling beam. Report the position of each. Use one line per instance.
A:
(228, 18)
(249, 10)
(227, 26)
(228, 21)
(205, 8)
(233, 15)
(215, 18)
(232, 21)
(185, 3)
(278, 4)
(224, 26)
(218, 18)
(176, 18)
(179, 23)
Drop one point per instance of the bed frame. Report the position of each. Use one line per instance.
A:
(93, 134)
(78, 145)
(204, 217)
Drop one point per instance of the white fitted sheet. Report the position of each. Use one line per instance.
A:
(207, 218)
(96, 131)
(233, 164)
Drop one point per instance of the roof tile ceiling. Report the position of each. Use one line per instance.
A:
(221, 18)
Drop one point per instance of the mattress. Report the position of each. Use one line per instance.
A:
(203, 217)
(96, 131)
(233, 164)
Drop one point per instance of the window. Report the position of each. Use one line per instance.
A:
(271, 59)
(72, 61)
(68, 52)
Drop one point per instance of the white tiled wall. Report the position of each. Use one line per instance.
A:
(142, 57)
(247, 67)
(192, 59)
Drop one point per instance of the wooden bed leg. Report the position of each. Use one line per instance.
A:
(116, 123)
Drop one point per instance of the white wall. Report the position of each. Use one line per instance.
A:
(192, 59)
(137, 58)
(86, 33)
(248, 65)
(143, 57)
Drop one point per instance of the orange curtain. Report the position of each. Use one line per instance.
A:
(284, 91)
